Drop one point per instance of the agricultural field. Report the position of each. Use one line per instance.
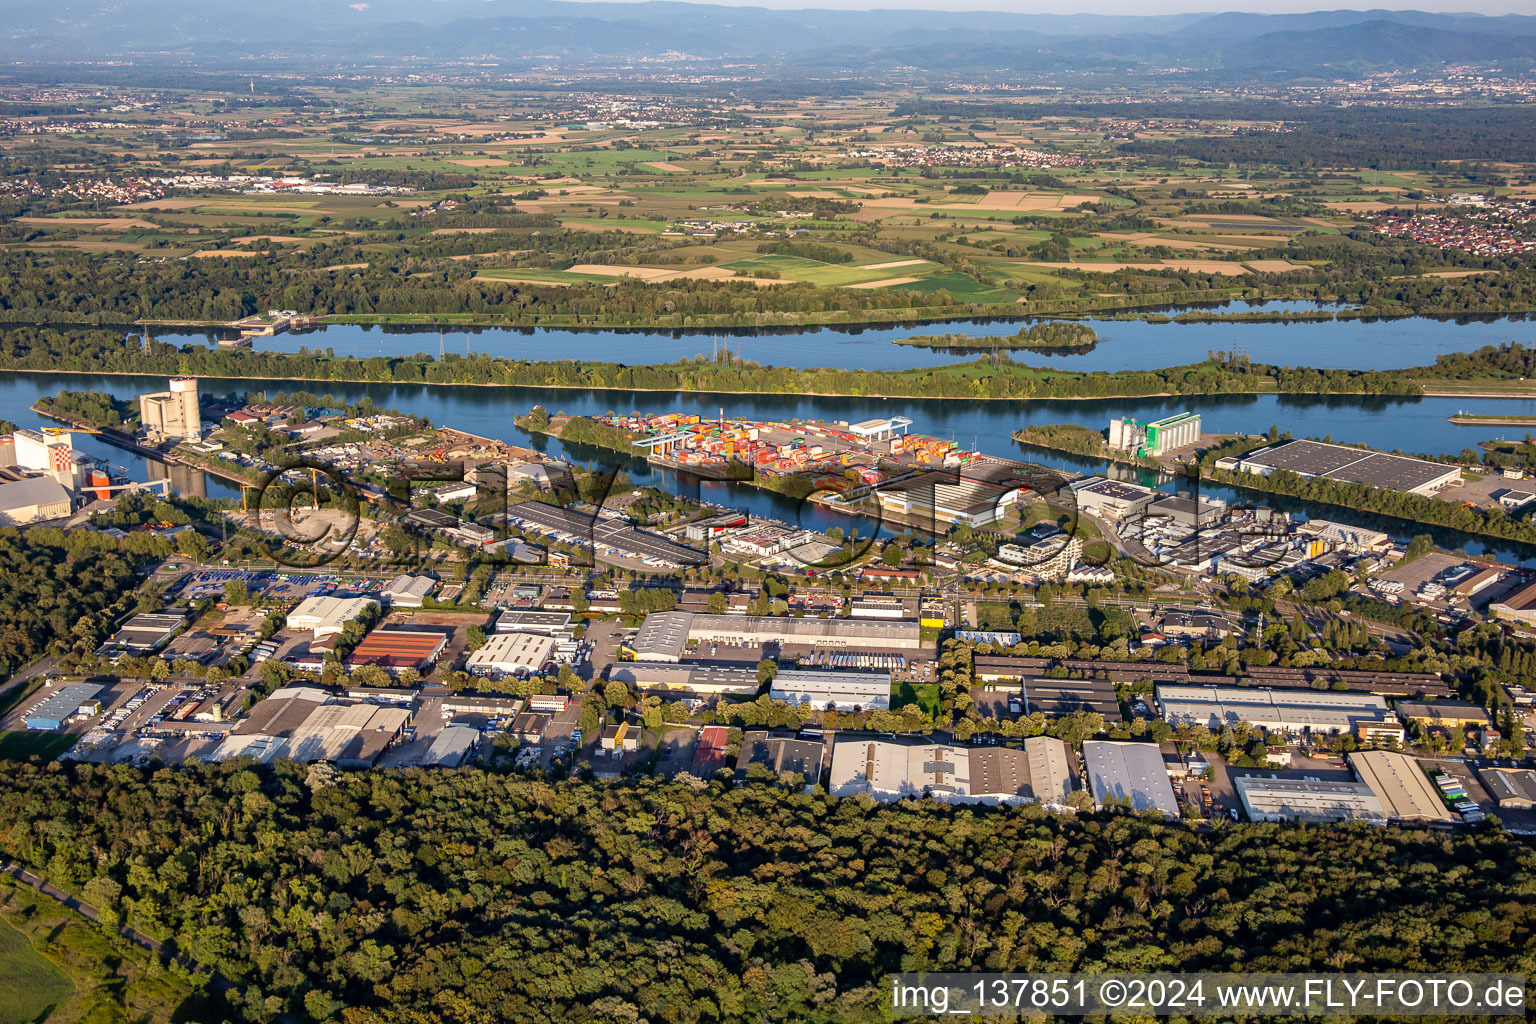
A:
(515, 209)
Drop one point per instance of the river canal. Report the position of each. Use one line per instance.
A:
(1122, 345)
(1414, 425)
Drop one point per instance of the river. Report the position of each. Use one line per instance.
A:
(1415, 425)
(1122, 345)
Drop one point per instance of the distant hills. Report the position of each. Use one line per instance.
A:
(515, 32)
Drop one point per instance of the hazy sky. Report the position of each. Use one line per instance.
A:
(1145, 7)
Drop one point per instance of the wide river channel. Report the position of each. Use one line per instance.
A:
(1413, 425)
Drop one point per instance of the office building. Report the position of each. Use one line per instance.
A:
(821, 688)
(1049, 558)
(1267, 798)
(1151, 440)
(1400, 784)
(1129, 771)
(172, 415)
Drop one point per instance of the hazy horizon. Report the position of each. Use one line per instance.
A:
(1114, 8)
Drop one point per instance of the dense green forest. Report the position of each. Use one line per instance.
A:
(465, 896)
(63, 588)
(1052, 335)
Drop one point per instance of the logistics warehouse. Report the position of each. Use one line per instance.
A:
(664, 636)
(1347, 465)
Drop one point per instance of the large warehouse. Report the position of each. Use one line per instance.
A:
(750, 630)
(325, 616)
(846, 691)
(1268, 798)
(687, 679)
(1405, 792)
(1349, 465)
(1130, 771)
(892, 769)
(606, 534)
(664, 636)
(1276, 710)
(33, 500)
(1113, 499)
(396, 650)
(503, 654)
(71, 699)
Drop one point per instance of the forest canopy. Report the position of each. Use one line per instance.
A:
(467, 896)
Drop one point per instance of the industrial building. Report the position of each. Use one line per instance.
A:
(325, 616)
(605, 534)
(1129, 771)
(1054, 697)
(33, 500)
(172, 415)
(1356, 540)
(1446, 714)
(395, 650)
(1150, 440)
(1043, 772)
(408, 591)
(1275, 710)
(307, 724)
(1112, 499)
(1267, 798)
(820, 688)
(781, 754)
(715, 527)
(1190, 512)
(753, 630)
(664, 636)
(977, 494)
(686, 679)
(892, 769)
(59, 706)
(1512, 789)
(146, 632)
(524, 620)
(1405, 792)
(1519, 606)
(504, 654)
(1348, 465)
